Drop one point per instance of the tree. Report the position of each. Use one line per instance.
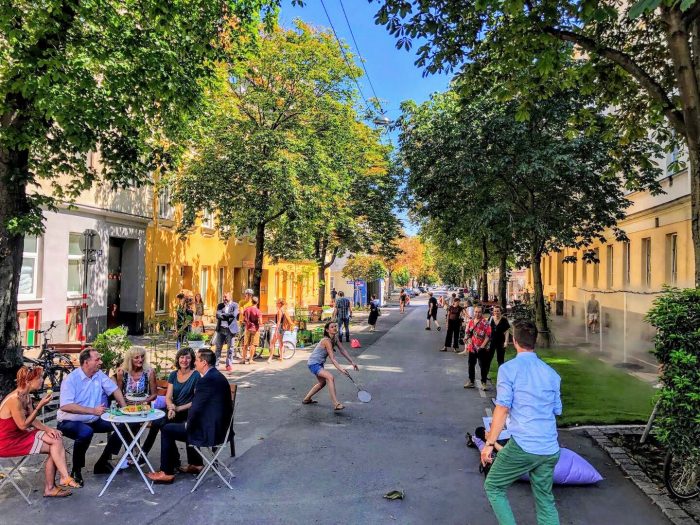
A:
(366, 268)
(640, 59)
(402, 276)
(87, 76)
(553, 186)
(253, 156)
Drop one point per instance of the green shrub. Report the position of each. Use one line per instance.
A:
(196, 336)
(676, 316)
(112, 344)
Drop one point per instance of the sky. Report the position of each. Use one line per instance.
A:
(392, 71)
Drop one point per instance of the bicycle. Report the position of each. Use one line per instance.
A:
(55, 364)
(681, 477)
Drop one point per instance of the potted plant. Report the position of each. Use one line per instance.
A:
(196, 340)
(111, 344)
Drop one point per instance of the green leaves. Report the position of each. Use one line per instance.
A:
(644, 6)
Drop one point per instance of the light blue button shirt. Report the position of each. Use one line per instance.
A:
(84, 391)
(529, 388)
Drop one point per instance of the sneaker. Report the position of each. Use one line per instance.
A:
(427, 328)
(456, 350)
(470, 384)
(485, 387)
(443, 349)
(463, 352)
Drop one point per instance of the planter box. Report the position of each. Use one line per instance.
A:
(196, 345)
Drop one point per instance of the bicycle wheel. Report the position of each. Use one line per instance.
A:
(289, 350)
(681, 477)
(62, 367)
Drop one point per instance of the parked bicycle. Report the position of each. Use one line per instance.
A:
(681, 476)
(267, 333)
(55, 364)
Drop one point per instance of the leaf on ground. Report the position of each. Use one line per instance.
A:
(394, 494)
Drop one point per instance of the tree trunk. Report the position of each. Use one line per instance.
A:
(389, 285)
(540, 312)
(320, 265)
(484, 292)
(259, 257)
(503, 279)
(694, 172)
(14, 166)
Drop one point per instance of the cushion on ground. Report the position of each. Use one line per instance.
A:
(571, 469)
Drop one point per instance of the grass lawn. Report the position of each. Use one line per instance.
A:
(595, 392)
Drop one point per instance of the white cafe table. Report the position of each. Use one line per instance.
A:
(142, 420)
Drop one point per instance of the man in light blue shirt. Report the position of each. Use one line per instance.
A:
(84, 395)
(528, 391)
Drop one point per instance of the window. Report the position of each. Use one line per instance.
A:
(161, 288)
(596, 268)
(609, 268)
(646, 261)
(28, 273)
(626, 263)
(220, 285)
(165, 209)
(549, 269)
(584, 271)
(204, 283)
(573, 272)
(75, 265)
(249, 278)
(672, 258)
(208, 219)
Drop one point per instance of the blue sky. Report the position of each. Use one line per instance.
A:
(392, 71)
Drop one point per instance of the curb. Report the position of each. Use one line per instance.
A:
(668, 506)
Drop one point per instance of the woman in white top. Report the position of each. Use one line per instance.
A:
(317, 360)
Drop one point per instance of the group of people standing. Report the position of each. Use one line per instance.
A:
(483, 338)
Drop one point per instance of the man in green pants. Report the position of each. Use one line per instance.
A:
(528, 391)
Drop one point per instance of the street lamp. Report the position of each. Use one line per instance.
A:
(382, 120)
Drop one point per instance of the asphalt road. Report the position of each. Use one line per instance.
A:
(306, 464)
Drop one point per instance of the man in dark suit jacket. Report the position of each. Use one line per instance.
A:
(207, 421)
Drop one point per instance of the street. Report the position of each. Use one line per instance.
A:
(306, 464)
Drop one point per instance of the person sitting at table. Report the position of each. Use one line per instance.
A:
(135, 379)
(21, 434)
(83, 400)
(178, 398)
(207, 421)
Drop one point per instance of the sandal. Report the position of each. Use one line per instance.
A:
(309, 402)
(68, 483)
(339, 407)
(58, 492)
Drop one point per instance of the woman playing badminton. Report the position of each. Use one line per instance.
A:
(323, 350)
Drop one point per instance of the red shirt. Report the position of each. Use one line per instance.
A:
(251, 318)
(479, 331)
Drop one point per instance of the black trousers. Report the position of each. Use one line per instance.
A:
(157, 425)
(170, 434)
(484, 357)
(452, 335)
(500, 355)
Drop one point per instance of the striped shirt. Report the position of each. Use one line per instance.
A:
(342, 306)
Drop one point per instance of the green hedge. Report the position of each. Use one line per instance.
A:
(676, 316)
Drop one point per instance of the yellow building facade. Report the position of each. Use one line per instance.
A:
(204, 263)
(628, 275)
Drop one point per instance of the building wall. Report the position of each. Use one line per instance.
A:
(228, 265)
(651, 221)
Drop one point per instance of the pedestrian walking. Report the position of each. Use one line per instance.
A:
(454, 324)
(226, 329)
(432, 312)
(282, 325)
(342, 313)
(325, 349)
(592, 311)
(478, 334)
(334, 293)
(499, 335)
(374, 313)
(528, 392)
(183, 317)
(403, 299)
(251, 340)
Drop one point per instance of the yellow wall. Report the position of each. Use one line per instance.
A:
(295, 282)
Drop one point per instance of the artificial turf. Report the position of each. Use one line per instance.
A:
(594, 392)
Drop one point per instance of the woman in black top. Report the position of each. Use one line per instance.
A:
(499, 332)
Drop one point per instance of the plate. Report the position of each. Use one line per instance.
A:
(137, 413)
(136, 399)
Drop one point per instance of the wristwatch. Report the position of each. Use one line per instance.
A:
(490, 444)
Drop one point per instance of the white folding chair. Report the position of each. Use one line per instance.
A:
(210, 456)
(10, 473)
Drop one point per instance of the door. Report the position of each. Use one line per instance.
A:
(114, 282)
(187, 278)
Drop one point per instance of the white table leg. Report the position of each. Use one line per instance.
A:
(127, 452)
